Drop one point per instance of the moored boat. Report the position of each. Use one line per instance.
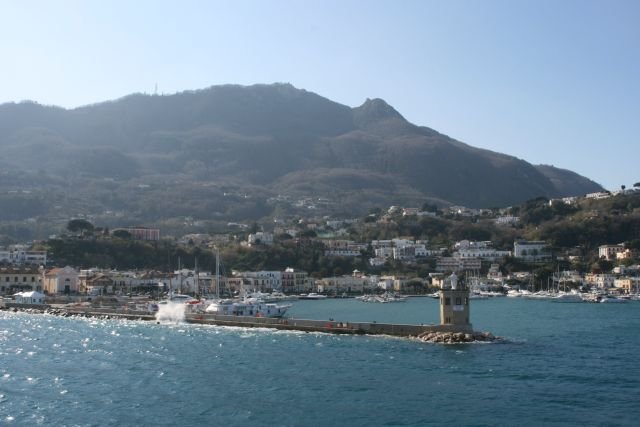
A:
(312, 295)
(246, 308)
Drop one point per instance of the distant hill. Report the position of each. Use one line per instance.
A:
(226, 150)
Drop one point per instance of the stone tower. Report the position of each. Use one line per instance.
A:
(454, 304)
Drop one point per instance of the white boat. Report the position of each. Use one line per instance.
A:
(312, 295)
(517, 293)
(567, 297)
(384, 298)
(178, 299)
(491, 294)
(250, 308)
(539, 295)
(610, 299)
(274, 296)
(475, 295)
(181, 298)
(253, 305)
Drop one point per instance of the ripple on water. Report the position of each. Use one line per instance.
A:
(130, 372)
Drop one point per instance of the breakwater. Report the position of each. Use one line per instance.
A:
(305, 325)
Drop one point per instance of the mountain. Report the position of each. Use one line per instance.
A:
(228, 151)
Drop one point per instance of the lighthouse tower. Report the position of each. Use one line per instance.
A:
(454, 304)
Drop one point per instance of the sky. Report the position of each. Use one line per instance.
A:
(548, 81)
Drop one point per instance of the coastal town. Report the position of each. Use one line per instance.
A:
(30, 274)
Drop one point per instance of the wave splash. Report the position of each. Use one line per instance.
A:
(170, 313)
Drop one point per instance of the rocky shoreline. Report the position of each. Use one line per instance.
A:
(457, 337)
(63, 312)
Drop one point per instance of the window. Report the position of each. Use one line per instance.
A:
(458, 301)
(447, 301)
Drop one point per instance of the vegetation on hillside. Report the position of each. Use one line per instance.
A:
(223, 152)
(573, 231)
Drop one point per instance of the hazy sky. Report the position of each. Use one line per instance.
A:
(549, 81)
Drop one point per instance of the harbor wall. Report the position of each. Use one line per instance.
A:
(304, 325)
(328, 326)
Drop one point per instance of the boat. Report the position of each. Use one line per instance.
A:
(518, 293)
(312, 295)
(274, 296)
(601, 297)
(181, 299)
(384, 298)
(175, 299)
(246, 307)
(255, 304)
(567, 297)
(611, 299)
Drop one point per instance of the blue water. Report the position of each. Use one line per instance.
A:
(563, 365)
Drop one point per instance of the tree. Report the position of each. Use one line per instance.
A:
(122, 234)
(308, 233)
(79, 226)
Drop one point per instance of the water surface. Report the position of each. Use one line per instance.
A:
(564, 364)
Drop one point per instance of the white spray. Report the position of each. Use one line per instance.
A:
(170, 313)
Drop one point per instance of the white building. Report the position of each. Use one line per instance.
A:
(377, 261)
(31, 297)
(19, 254)
(507, 220)
(532, 251)
(262, 281)
(487, 254)
(610, 251)
(342, 252)
(295, 281)
(494, 273)
(386, 252)
(598, 196)
(260, 238)
(457, 264)
(602, 281)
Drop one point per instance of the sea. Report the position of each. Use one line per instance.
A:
(559, 365)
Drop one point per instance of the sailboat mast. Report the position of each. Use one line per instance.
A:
(197, 287)
(180, 272)
(217, 274)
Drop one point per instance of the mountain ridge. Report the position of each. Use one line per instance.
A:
(266, 139)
